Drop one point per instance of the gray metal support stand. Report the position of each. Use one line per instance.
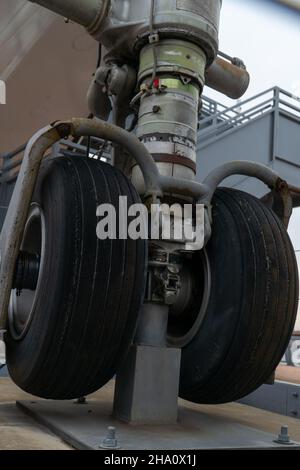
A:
(147, 387)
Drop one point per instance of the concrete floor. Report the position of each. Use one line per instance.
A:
(20, 432)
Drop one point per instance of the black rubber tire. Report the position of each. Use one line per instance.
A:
(252, 307)
(91, 291)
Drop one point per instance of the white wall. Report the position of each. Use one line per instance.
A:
(21, 26)
(48, 84)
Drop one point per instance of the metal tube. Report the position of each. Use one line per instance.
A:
(98, 101)
(156, 184)
(13, 228)
(170, 184)
(227, 78)
(246, 168)
(96, 128)
(83, 12)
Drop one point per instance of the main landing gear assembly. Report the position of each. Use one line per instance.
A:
(210, 323)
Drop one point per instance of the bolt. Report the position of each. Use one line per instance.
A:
(283, 437)
(156, 109)
(110, 442)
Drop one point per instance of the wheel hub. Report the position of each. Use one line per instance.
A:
(28, 273)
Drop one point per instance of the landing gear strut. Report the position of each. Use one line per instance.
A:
(71, 304)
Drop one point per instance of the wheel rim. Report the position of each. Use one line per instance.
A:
(187, 316)
(22, 303)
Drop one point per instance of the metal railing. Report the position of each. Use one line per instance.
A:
(211, 107)
(225, 120)
(216, 120)
(10, 162)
